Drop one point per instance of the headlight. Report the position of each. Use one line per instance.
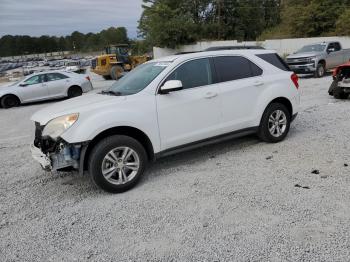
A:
(311, 59)
(57, 126)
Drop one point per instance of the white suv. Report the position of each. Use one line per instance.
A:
(166, 106)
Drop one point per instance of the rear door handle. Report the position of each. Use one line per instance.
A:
(210, 95)
(258, 83)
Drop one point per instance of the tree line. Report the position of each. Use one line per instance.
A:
(169, 23)
(24, 44)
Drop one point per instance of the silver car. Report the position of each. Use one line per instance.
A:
(43, 86)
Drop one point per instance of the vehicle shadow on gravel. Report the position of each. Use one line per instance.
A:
(206, 153)
(200, 155)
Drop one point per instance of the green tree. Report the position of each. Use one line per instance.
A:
(343, 23)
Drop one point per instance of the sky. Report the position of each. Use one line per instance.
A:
(62, 17)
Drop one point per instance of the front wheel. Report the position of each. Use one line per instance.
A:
(9, 101)
(116, 163)
(320, 70)
(275, 123)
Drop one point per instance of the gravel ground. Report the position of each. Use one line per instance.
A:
(243, 200)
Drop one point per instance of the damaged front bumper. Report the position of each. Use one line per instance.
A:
(57, 155)
(65, 156)
(41, 158)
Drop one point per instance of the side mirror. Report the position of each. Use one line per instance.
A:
(171, 86)
(23, 84)
(330, 50)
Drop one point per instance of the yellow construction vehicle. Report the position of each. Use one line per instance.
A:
(116, 61)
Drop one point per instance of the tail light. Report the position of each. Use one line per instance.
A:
(295, 80)
(335, 72)
(88, 78)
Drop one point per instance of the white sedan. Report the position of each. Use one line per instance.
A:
(44, 86)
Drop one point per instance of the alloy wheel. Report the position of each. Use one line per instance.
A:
(120, 165)
(277, 123)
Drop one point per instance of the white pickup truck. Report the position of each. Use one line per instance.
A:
(318, 58)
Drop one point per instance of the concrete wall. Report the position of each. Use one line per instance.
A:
(282, 46)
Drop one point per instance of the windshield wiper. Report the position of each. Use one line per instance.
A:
(111, 92)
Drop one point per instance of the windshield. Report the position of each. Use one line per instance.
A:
(138, 79)
(313, 48)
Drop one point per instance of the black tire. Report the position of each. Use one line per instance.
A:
(101, 150)
(9, 101)
(264, 129)
(74, 91)
(116, 72)
(338, 93)
(320, 70)
(333, 86)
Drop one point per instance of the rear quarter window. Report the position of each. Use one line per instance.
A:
(275, 60)
(230, 68)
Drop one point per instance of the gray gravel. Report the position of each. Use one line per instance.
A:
(242, 200)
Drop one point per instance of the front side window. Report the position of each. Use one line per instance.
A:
(331, 46)
(231, 68)
(34, 80)
(337, 46)
(55, 76)
(193, 73)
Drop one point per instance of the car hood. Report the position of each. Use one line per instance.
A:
(83, 104)
(306, 54)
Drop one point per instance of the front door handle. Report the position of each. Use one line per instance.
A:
(258, 83)
(210, 95)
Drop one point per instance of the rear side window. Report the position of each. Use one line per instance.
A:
(55, 76)
(275, 60)
(229, 68)
(193, 73)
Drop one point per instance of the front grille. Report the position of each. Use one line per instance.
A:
(299, 61)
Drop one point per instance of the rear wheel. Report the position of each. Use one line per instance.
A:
(9, 101)
(117, 163)
(74, 91)
(275, 123)
(117, 72)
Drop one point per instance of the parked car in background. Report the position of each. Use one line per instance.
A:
(318, 58)
(340, 87)
(166, 106)
(44, 86)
